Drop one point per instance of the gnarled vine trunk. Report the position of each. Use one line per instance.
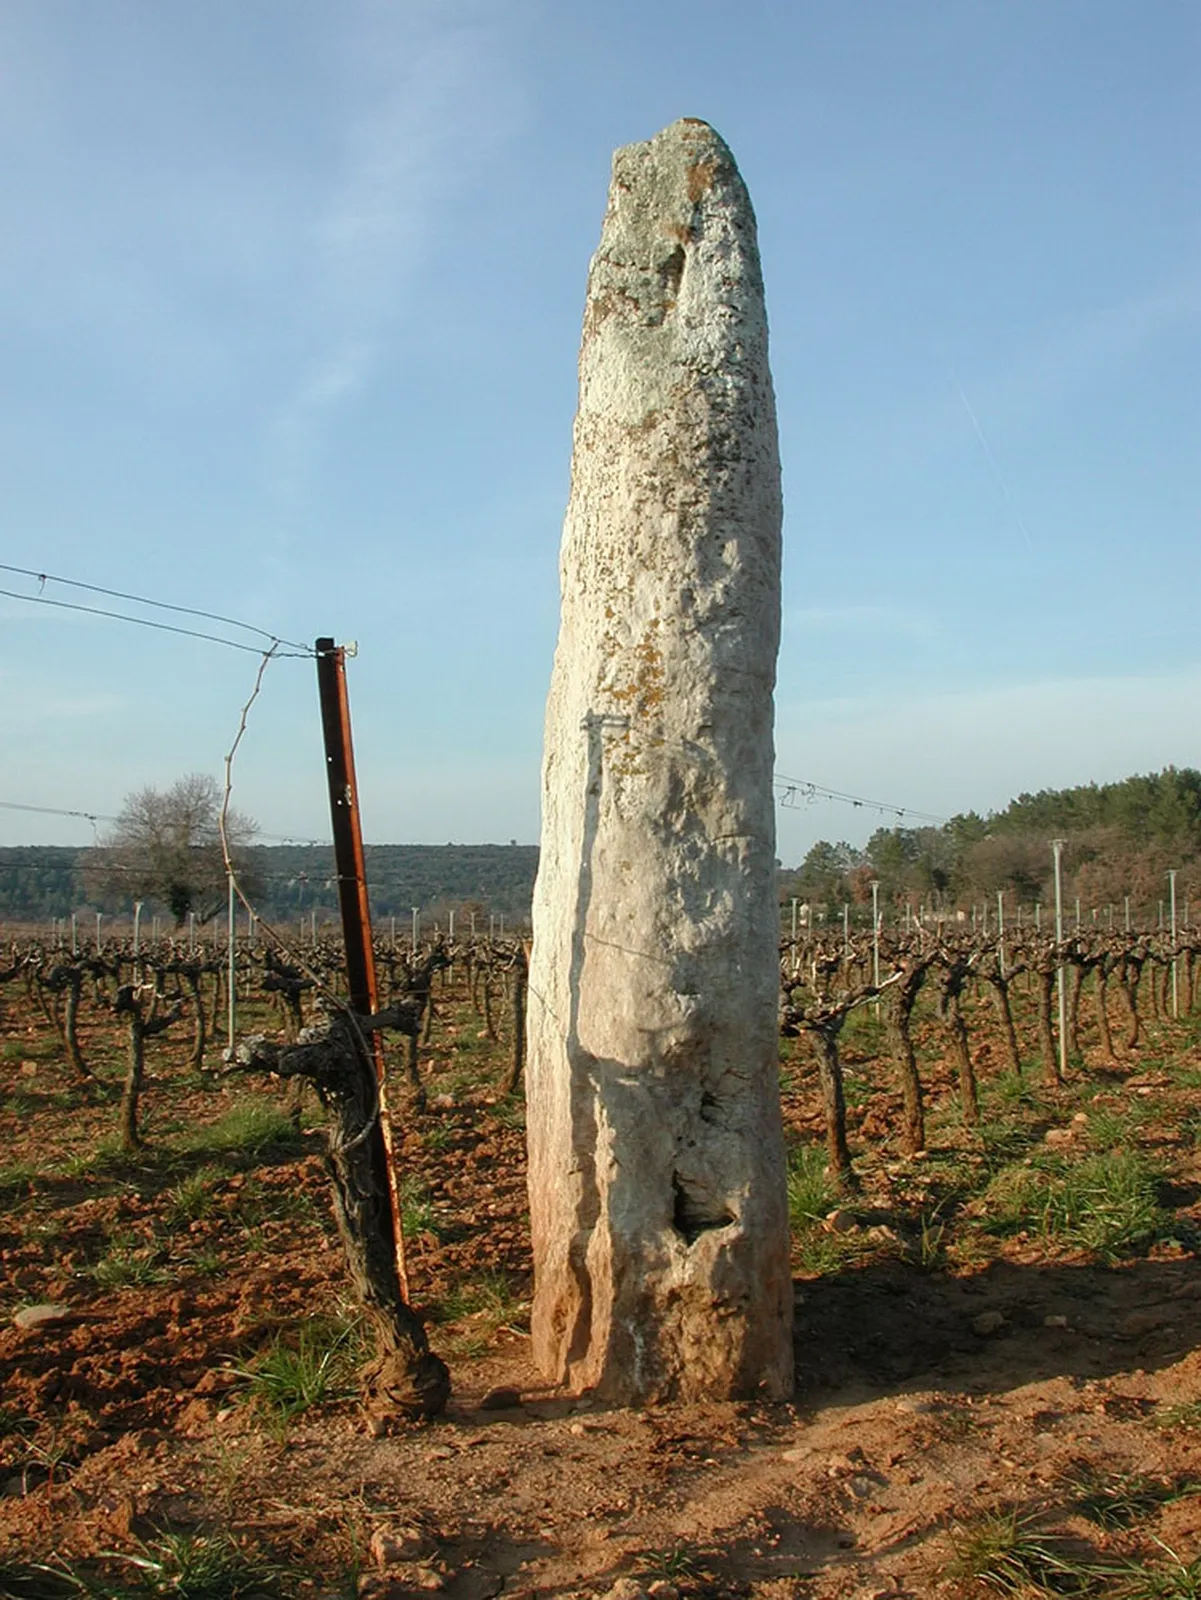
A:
(406, 1376)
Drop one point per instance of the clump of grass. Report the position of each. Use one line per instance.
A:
(14, 1421)
(857, 1089)
(819, 1253)
(1177, 1580)
(491, 1293)
(302, 1369)
(1117, 1130)
(205, 1262)
(128, 1260)
(259, 1203)
(16, 1182)
(670, 1565)
(1107, 1203)
(510, 1112)
(193, 1198)
(863, 1032)
(440, 1137)
(1003, 1143)
(1184, 1414)
(44, 1048)
(249, 1129)
(930, 1243)
(812, 1193)
(31, 1580)
(1017, 1092)
(108, 1156)
(418, 1215)
(1006, 1553)
(200, 1566)
(1116, 1500)
(484, 1304)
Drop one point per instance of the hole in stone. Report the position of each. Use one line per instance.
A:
(694, 1214)
(672, 270)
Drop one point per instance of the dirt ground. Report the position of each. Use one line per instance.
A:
(960, 1378)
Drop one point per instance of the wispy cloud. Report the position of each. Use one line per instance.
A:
(429, 102)
(24, 708)
(1043, 367)
(1085, 348)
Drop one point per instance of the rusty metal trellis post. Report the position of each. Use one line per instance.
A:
(356, 913)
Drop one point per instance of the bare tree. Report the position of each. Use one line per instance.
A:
(165, 847)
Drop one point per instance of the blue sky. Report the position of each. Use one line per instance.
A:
(290, 298)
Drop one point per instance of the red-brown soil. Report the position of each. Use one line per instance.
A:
(917, 1412)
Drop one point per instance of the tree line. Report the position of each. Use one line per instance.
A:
(41, 882)
(1121, 839)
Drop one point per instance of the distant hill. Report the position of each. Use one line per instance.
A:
(1121, 840)
(39, 882)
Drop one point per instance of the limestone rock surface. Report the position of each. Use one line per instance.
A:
(657, 1183)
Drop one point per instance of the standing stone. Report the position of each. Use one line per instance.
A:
(656, 1168)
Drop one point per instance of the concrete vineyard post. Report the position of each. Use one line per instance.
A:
(1057, 848)
(232, 960)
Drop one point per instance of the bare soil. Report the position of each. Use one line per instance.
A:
(947, 1369)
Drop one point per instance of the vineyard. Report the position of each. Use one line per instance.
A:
(995, 1192)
